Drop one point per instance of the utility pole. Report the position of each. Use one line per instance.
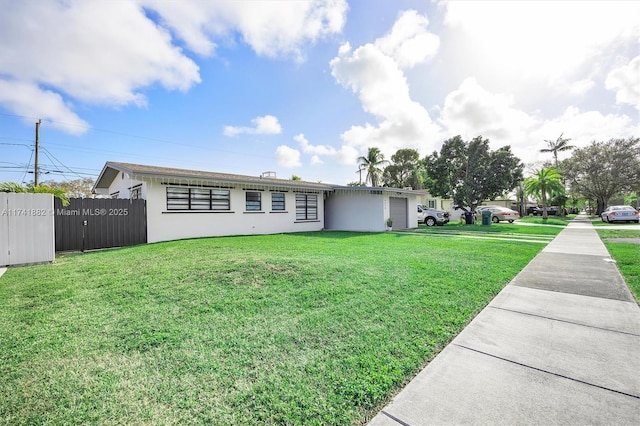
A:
(36, 166)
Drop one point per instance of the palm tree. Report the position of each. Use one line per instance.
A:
(371, 163)
(544, 182)
(558, 146)
(40, 189)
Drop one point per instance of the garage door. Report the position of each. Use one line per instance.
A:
(398, 212)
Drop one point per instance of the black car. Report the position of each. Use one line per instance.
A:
(551, 211)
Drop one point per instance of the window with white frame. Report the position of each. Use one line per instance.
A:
(306, 206)
(277, 201)
(182, 198)
(432, 204)
(254, 201)
(135, 193)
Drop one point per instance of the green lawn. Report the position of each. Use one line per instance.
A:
(500, 230)
(625, 253)
(317, 328)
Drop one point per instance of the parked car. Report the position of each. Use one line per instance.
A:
(432, 217)
(620, 214)
(551, 211)
(533, 210)
(498, 213)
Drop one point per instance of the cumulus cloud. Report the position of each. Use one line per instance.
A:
(625, 81)
(316, 160)
(586, 126)
(107, 53)
(271, 28)
(266, 125)
(471, 110)
(347, 155)
(287, 157)
(409, 43)
(19, 97)
(307, 148)
(374, 73)
(563, 48)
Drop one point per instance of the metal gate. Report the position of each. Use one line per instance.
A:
(398, 212)
(95, 223)
(26, 228)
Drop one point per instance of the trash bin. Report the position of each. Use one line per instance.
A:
(486, 217)
(468, 218)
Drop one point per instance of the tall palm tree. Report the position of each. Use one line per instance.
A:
(371, 163)
(544, 182)
(556, 146)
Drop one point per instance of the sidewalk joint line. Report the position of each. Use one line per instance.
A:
(565, 321)
(394, 418)
(548, 372)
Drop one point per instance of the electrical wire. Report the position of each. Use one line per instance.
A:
(26, 170)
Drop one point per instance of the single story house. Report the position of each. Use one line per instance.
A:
(190, 203)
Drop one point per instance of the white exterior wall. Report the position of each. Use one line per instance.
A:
(122, 184)
(167, 225)
(363, 211)
(355, 211)
(26, 229)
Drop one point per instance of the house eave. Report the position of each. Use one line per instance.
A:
(111, 170)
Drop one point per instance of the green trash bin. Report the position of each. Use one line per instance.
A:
(486, 217)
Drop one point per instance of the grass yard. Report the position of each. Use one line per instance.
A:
(624, 247)
(317, 328)
(513, 231)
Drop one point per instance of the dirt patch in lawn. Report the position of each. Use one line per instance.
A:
(623, 240)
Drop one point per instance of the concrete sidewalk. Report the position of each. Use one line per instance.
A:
(559, 345)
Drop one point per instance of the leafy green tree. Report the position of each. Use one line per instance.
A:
(559, 145)
(294, 177)
(469, 172)
(77, 188)
(604, 169)
(543, 184)
(356, 184)
(40, 189)
(372, 163)
(404, 170)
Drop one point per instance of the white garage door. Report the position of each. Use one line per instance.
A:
(398, 212)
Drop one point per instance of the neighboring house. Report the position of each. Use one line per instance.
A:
(190, 203)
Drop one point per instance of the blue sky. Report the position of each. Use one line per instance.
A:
(306, 86)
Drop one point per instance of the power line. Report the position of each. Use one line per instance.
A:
(26, 170)
(148, 138)
(47, 153)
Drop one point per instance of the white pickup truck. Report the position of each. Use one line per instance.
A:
(432, 217)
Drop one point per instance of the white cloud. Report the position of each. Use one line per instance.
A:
(265, 125)
(107, 53)
(30, 101)
(559, 47)
(307, 148)
(347, 155)
(102, 64)
(316, 160)
(384, 92)
(270, 28)
(471, 111)
(584, 127)
(625, 81)
(287, 157)
(409, 43)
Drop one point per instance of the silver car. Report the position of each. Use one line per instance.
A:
(620, 214)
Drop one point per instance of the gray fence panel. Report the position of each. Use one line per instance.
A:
(26, 229)
(88, 223)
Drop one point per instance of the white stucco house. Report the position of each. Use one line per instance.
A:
(190, 203)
